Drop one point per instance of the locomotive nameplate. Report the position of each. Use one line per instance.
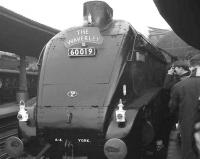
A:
(82, 51)
(83, 35)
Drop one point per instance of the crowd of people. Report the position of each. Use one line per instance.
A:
(183, 83)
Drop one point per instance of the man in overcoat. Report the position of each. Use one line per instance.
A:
(184, 99)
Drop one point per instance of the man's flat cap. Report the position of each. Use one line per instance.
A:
(181, 63)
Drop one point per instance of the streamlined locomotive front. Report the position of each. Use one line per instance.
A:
(81, 71)
(86, 104)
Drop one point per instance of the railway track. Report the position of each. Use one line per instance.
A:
(4, 156)
(8, 128)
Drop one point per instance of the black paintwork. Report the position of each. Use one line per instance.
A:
(183, 17)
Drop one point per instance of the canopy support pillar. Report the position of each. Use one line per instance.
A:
(22, 93)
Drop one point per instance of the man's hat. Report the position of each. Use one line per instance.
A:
(181, 63)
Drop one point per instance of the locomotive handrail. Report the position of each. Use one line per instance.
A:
(40, 56)
(130, 56)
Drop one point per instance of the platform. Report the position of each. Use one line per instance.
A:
(8, 109)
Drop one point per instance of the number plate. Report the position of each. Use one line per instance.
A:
(82, 51)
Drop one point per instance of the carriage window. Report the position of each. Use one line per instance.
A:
(15, 82)
(7, 83)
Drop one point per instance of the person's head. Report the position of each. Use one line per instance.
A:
(181, 67)
(180, 70)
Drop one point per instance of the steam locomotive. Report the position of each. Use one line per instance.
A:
(98, 94)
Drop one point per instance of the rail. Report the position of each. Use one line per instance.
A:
(4, 156)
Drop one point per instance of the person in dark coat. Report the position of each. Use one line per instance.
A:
(178, 71)
(184, 99)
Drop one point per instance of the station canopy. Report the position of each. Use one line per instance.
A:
(171, 43)
(184, 18)
(21, 35)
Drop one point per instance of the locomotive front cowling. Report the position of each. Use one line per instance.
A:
(80, 74)
(88, 103)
